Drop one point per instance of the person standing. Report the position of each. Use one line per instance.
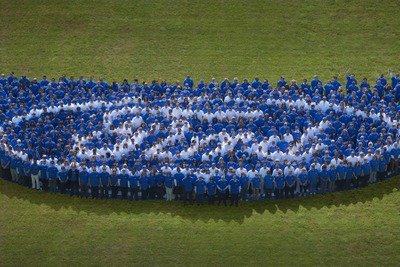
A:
(169, 185)
(313, 175)
(5, 164)
(256, 186)
(27, 172)
(332, 177)
(245, 184)
(62, 179)
(358, 174)
(290, 184)
(382, 167)
(123, 178)
(349, 175)
(324, 178)
(144, 185)
(341, 175)
(211, 191)
(187, 184)
(114, 183)
(178, 177)
(160, 185)
(279, 185)
(35, 174)
(94, 181)
(366, 169)
(234, 189)
(42, 173)
(52, 172)
(13, 167)
(303, 182)
(200, 185)
(73, 174)
(21, 172)
(374, 169)
(104, 182)
(83, 181)
(222, 186)
(134, 185)
(268, 185)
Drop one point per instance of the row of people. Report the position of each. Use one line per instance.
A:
(282, 182)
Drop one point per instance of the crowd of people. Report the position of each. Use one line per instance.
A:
(207, 142)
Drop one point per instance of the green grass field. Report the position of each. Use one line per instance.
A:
(356, 228)
(167, 40)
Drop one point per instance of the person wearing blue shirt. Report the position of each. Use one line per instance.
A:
(144, 185)
(234, 189)
(133, 185)
(341, 175)
(357, 174)
(83, 181)
(256, 186)
(374, 169)
(114, 183)
(123, 179)
(332, 178)
(152, 184)
(188, 81)
(290, 184)
(382, 167)
(200, 185)
(13, 166)
(52, 172)
(350, 79)
(178, 177)
(62, 179)
(211, 191)
(20, 172)
(222, 186)
(279, 185)
(349, 176)
(27, 173)
(169, 185)
(303, 182)
(160, 185)
(73, 176)
(35, 174)
(94, 182)
(187, 184)
(268, 185)
(366, 172)
(324, 178)
(104, 182)
(395, 159)
(313, 175)
(245, 183)
(5, 165)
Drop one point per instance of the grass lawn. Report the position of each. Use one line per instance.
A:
(157, 39)
(154, 39)
(356, 228)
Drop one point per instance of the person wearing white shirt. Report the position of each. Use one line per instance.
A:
(288, 137)
(264, 144)
(288, 168)
(352, 158)
(274, 137)
(277, 155)
(300, 102)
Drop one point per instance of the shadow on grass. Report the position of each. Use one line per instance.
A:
(194, 213)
